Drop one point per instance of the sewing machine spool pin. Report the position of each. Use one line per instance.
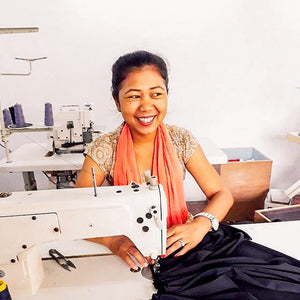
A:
(94, 181)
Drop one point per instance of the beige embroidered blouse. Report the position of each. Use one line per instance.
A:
(103, 149)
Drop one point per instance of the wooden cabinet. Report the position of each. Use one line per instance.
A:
(247, 175)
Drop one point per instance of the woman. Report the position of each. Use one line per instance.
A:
(140, 90)
(199, 263)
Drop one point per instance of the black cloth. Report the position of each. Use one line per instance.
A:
(226, 264)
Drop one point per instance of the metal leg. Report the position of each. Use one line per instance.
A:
(65, 179)
(29, 181)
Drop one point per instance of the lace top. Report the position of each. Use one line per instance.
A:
(103, 149)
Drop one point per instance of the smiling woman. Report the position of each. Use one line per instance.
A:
(144, 142)
(203, 260)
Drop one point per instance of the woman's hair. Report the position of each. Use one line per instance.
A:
(135, 60)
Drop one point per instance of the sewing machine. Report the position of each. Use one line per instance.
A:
(72, 130)
(28, 219)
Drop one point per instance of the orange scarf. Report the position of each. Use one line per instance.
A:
(166, 167)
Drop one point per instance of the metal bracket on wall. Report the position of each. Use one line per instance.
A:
(18, 30)
(30, 60)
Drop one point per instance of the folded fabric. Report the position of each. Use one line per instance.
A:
(228, 265)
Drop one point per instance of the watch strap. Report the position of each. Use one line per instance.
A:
(214, 220)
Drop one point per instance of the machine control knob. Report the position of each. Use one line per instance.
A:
(140, 220)
(145, 228)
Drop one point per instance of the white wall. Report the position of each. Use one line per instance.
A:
(234, 66)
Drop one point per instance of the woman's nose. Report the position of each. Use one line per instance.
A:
(146, 103)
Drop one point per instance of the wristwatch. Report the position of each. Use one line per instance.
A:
(213, 219)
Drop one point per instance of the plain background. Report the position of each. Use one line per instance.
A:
(234, 67)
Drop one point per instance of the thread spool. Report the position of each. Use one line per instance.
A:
(4, 292)
(12, 114)
(19, 116)
(7, 117)
(48, 121)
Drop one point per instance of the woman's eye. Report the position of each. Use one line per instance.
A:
(156, 94)
(134, 96)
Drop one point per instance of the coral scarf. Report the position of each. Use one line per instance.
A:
(165, 166)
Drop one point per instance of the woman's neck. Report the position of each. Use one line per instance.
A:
(140, 139)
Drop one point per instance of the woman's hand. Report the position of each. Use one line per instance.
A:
(123, 247)
(187, 236)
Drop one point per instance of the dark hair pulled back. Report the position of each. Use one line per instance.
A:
(135, 60)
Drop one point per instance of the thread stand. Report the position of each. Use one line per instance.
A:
(5, 132)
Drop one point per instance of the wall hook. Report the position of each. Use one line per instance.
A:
(30, 60)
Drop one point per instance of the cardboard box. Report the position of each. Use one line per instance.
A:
(247, 174)
(287, 213)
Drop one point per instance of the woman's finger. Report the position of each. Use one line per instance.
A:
(172, 239)
(129, 261)
(184, 250)
(136, 256)
(174, 247)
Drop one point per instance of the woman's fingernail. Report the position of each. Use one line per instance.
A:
(176, 255)
(135, 269)
(163, 256)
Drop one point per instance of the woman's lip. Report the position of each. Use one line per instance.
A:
(145, 121)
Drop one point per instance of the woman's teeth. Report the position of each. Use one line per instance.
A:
(146, 120)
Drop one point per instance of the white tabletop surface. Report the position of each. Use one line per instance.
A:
(31, 157)
(107, 277)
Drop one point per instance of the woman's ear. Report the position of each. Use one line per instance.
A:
(117, 104)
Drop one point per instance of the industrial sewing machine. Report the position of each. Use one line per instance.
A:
(28, 219)
(72, 130)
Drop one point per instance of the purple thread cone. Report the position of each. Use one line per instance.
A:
(12, 113)
(19, 116)
(7, 117)
(48, 115)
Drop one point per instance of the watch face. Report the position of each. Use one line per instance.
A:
(215, 224)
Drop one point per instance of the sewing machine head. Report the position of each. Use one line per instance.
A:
(73, 129)
(28, 219)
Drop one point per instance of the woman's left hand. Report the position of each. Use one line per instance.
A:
(187, 236)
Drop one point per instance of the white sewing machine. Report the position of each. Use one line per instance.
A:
(72, 130)
(28, 219)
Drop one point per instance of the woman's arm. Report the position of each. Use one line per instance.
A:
(85, 178)
(220, 201)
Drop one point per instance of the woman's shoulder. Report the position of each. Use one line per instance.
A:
(179, 133)
(102, 149)
(183, 140)
(109, 137)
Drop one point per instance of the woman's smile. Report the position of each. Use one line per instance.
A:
(146, 121)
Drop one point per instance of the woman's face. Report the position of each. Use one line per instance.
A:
(143, 100)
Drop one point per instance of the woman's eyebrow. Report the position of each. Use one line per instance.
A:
(157, 87)
(138, 90)
(132, 90)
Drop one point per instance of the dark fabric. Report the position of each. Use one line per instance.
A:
(228, 265)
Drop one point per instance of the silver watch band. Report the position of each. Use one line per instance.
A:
(211, 217)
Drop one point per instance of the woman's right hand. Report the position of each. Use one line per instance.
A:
(123, 247)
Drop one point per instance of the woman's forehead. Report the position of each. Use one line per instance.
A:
(143, 77)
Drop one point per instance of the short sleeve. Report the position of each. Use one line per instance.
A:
(184, 142)
(191, 144)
